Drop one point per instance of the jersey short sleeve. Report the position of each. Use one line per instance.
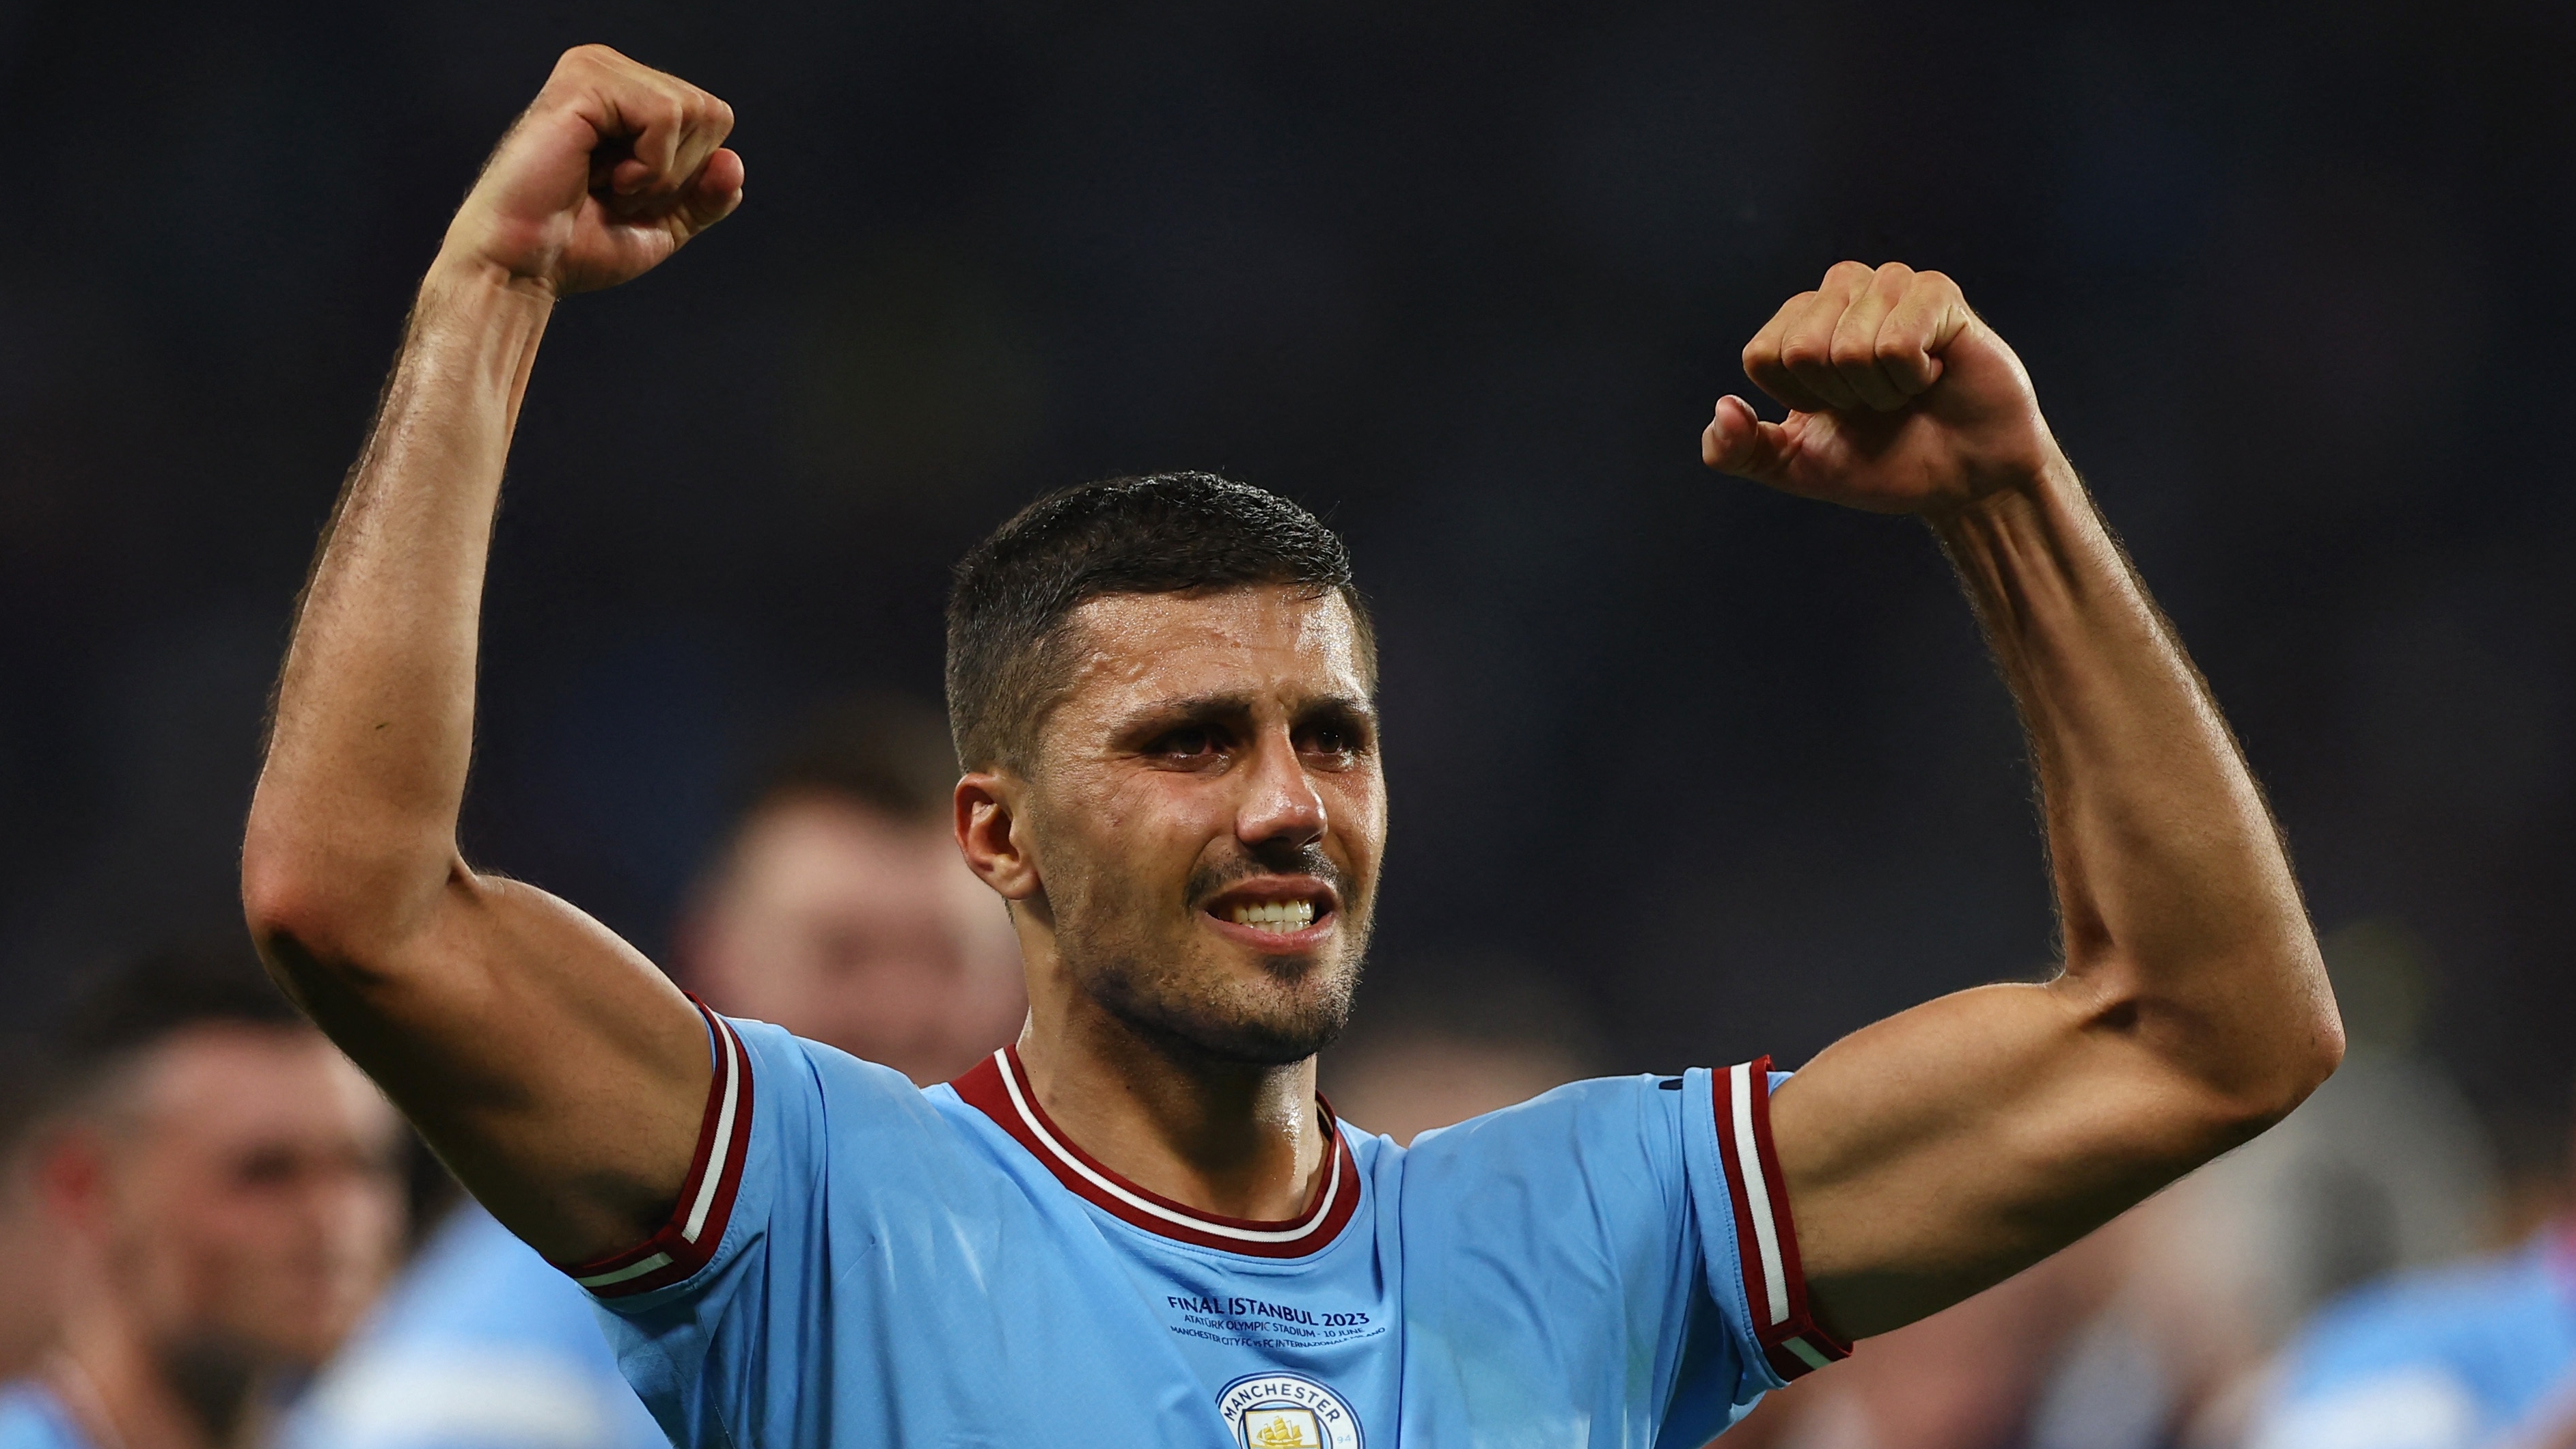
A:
(723, 1320)
(1613, 1262)
(690, 1240)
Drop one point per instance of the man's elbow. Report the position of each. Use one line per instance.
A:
(2296, 1046)
(2247, 1040)
(300, 924)
(316, 913)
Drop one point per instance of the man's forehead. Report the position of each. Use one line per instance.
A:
(224, 1076)
(1255, 638)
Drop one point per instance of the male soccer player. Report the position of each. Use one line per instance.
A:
(1139, 1225)
(837, 909)
(225, 1203)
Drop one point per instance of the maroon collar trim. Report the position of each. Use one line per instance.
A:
(999, 1088)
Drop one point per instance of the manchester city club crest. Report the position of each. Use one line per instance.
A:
(1287, 1411)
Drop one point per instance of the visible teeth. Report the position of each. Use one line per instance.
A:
(1277, 917)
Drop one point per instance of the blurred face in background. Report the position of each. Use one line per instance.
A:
(234, 1198)
(1408, 1084)
(854, 928)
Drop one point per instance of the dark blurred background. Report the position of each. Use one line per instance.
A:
(1727, 767)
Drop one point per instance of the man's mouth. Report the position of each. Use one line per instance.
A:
(1280, 918)
(1292, 911)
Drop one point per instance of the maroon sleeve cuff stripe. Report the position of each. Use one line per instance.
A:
(697, 1223)
(1766, 1243)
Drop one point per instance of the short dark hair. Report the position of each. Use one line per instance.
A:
(136, 1004)
(1159, 533)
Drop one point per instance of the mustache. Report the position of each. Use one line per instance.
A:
(1214, 878)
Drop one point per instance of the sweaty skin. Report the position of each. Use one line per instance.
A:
(1215, 756)
(1211, 752)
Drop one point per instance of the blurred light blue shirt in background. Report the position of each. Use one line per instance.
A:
(481, 1345)
(2476, 1354)
(30, 1418)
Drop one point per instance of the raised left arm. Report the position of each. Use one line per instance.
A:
(1943, 1149)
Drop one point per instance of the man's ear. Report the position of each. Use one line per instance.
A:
(71, 1171)
(989, 835)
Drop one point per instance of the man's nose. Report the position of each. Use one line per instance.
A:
(1280, 801)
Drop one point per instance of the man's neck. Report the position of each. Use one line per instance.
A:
(1227, 1138)
(113, 1384)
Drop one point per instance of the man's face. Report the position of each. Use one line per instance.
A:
(245, 1199)
(851, 927)
(1206, 814)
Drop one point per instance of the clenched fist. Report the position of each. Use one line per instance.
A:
(613, 168)
(1901, 400)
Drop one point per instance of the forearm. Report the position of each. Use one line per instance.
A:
(2182, 921)
(353, 826)
(1945, 1148)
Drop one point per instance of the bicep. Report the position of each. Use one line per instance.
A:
(1935, 1153)
(555, 1070)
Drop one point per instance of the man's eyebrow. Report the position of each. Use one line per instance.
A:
(1179, 712)
(1338, 706)
(1190, 709)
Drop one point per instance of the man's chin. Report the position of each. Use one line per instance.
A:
(1255, 1044)
(1200, 996)
(1271, 1032)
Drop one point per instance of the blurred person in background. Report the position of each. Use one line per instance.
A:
(839, 908)
(2474, 1355)
(1964, 1378)
(2385, 1169)
(836, 907)
(1438, 1048)
(2481, 1355)
(224, 1201)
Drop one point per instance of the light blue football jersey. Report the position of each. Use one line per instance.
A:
(480, 1345)
(856, 1261)
(2477, 1354)
(32, 1418)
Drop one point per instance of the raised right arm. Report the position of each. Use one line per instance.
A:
(552, 1067)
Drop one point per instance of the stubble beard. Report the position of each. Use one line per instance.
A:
(1172, 994)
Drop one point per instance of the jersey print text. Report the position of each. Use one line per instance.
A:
(1260, 1323)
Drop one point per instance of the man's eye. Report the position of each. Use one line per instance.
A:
(270, 1167)
(1187, 743)
(1331, 742)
